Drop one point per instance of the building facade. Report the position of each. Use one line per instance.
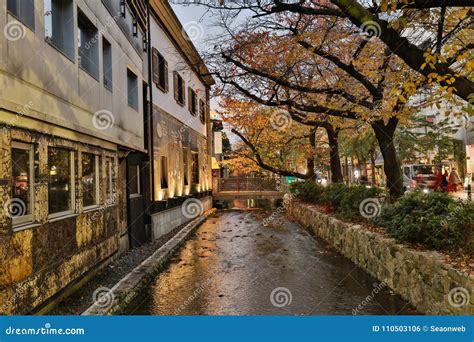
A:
(181, 131)
(80, 154)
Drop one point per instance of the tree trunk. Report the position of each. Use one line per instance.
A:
(335, 161)
(384, 134)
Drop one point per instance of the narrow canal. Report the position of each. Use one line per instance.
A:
(234, 265)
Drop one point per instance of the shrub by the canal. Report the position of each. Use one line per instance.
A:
(346, 200)
(343, 200)
(434, 220)
(309, 191)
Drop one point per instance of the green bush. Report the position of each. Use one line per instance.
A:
(346, 201)
(309, 191)
(435, 220)
(343, 200)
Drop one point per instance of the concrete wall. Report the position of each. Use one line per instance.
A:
(422, 278)
(41, 82)
(165, 221)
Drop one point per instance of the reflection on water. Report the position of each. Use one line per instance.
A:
(236, 266)
(247, 203)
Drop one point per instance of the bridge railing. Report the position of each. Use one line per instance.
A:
(250, 184)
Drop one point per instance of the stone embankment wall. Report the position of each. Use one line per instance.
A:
(420, 277)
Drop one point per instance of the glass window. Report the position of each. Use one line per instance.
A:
(179, 88)
(192, 101)
(107, 61)
(132, 89)
(164, 173)
(90, 179)
(61, 180)
(21, 205)
(88, 45)
(195, 167)
(23, 10)
(59, 25)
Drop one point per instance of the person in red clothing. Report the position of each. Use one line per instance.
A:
(453, 181)
(439, 176)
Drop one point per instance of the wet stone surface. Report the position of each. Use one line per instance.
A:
(236, 266)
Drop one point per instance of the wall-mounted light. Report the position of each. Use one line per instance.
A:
(135, 27)
(122, 8)
(145, 44)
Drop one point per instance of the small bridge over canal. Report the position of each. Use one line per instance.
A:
(249, 188)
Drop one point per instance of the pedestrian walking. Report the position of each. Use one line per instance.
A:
(444, 181)
(439, 176)
(453, 181)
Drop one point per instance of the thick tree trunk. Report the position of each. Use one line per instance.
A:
(335, 161)
(384, 134)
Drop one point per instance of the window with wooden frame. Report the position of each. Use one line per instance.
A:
(21, 206)
(61, 184)
(179, 89)
(160, 70)
(202, 111)
(192, 101)
(90, 179)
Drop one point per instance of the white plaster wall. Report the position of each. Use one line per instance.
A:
(39, 81)
(176, 62)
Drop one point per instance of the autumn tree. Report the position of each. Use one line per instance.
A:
(318, 73)
(270, 140)
(435, 38)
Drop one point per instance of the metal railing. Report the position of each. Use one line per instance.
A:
(250, 184)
